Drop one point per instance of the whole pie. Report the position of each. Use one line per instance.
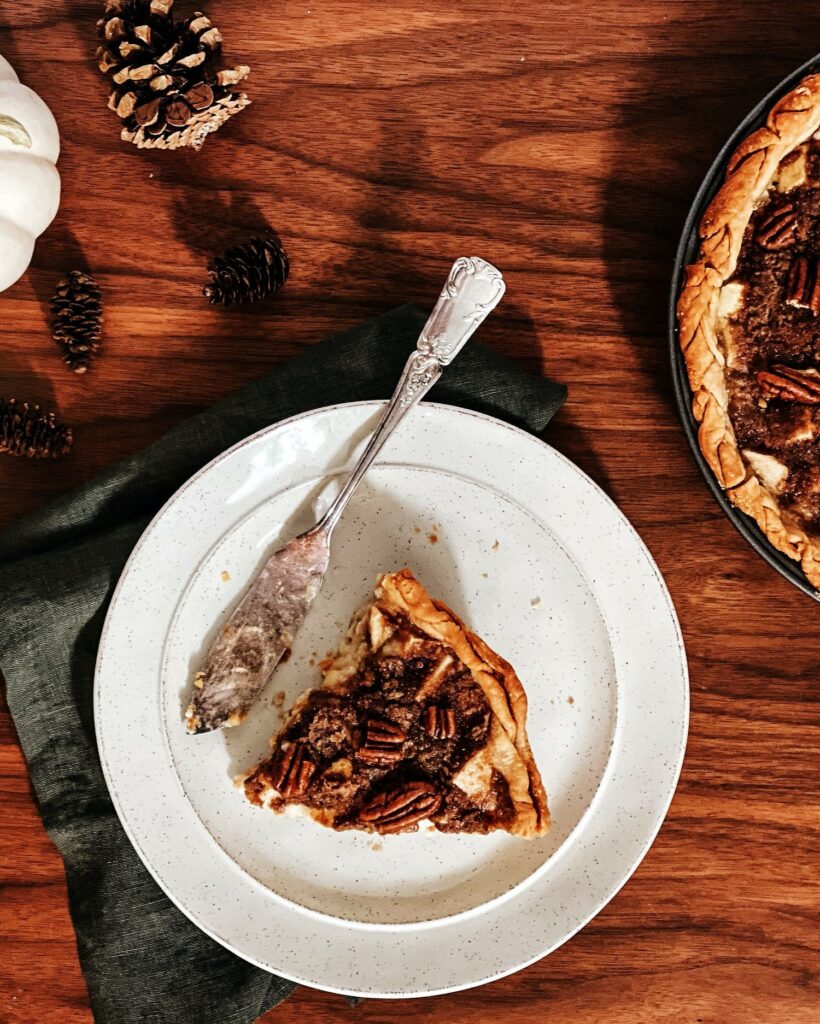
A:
(749, 326)
(417, 724)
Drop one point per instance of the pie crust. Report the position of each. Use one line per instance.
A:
(487, 778)
(761, 166)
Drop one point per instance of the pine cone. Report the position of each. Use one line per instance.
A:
(248, 272)
(24, 430)
(168, 92)
(77, 319)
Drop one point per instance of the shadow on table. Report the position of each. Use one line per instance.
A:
(19, 380)
(567, 436)
(57, 247)
(9, 21)
(232, 216)
(403, 164)
(377, 252)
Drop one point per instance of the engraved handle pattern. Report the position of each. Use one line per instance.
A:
(473, 289)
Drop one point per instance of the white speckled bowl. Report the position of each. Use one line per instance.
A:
(538, 560)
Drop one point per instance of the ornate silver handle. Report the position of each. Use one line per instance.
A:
(473, 290)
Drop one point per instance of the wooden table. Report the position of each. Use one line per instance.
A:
(564, 141)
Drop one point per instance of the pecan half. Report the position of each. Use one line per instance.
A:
(383, 742)
(439, 722)
(776, 229)
(292, 771)
(479, 729)
(803, 285)
(396, 809)
(791, 385)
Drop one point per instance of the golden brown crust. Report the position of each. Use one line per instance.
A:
(377, 626)
(791, 121)
(508, 749)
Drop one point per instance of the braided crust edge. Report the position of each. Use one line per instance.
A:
(749, 173)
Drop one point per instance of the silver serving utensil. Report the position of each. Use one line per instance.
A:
(264, 623)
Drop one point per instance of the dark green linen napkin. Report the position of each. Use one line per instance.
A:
(144, 962)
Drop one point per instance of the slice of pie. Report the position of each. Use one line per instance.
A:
(417, 724)
(749, 318)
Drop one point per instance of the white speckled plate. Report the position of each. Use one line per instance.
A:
(538, 560)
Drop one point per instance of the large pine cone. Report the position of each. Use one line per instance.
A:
(77, 320)
(168, 92)
(26, 431)
(248, 272)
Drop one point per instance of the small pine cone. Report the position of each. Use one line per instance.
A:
(77, 319)
(248, 272)
(24, 430)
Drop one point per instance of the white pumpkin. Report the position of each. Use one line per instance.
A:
(29, 181)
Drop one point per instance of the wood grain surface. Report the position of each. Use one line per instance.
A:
(564, 141)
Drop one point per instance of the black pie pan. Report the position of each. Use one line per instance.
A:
(687, 253)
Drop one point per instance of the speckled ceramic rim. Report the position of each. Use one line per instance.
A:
(432, 922)
(687, 253)
(384, 953)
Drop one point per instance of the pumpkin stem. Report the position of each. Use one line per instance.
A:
(12, 130)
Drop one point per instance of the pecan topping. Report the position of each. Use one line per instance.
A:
(480, 727)
(803, 286)
(293, 771)
(790, 385)
(382, 742)
(776, 229)
(439, 722)
(399, 808)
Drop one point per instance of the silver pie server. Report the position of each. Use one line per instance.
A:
(264, 623)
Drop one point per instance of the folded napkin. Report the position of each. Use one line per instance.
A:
(144, 961)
